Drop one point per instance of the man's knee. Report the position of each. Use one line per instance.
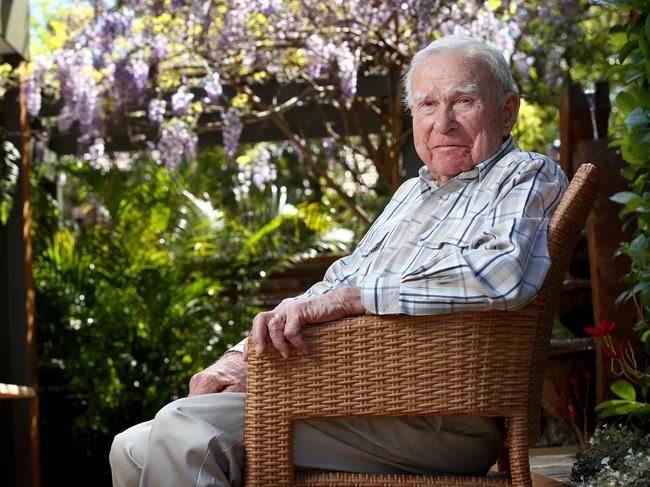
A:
(128, 454)
(130, 446)
(223, 412)
(119, 449)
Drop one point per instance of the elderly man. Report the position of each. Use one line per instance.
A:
(469, 233)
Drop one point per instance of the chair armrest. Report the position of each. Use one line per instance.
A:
(454, 364)
(400, 365)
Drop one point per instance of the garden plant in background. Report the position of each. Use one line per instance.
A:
(9, 171)
(143, 277)
(148, 264)
(164, 76)
(620, 455)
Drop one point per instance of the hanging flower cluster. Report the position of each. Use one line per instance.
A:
(186, 67)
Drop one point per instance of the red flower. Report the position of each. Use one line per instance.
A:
(609, 353)
(605, 328)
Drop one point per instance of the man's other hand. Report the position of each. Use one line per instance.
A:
(228, 374)
(282, 326)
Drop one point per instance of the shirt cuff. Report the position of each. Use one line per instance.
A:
(380, 295)
(239, 347)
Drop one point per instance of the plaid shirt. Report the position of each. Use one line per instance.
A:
(474, 243)
(477, 242)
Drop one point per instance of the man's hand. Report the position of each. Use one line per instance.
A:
(228, 374)
(283, 325)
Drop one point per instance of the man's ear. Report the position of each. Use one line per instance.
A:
(510, 111)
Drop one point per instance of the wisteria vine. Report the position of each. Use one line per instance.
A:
(167, 71)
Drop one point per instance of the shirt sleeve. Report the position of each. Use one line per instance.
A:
(344, 271)
(501, 267)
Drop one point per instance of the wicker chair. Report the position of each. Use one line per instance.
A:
(487, 363)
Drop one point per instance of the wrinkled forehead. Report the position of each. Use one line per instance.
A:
(472, 89)
(451, 73)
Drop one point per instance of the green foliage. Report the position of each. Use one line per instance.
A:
(619, 456)
(633, 471)
(627, 404)
(143, 279)
(632, 134)
(9, 173)
(561, 43)
(610, 446)
(537, 126)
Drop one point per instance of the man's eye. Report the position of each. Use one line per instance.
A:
(465, 101)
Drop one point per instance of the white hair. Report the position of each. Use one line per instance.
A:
(472, 49)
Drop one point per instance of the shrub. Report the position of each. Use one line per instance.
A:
(142, 279)
(609, 447)
(633, 471)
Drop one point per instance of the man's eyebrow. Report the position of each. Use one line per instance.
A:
(470, 89)
(418, 97)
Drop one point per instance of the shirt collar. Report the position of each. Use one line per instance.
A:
(427, 182)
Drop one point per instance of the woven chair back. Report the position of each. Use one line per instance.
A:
(487, 363)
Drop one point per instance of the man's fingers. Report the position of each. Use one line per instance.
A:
(260, 332)
(282, 327)
(245, 351)
(206, 383)
(276, 332)
(292, 333)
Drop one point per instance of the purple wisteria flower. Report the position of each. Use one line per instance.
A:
(348, 65)
(140, 71)
(65, 119)
(263, 170)
(34, 86)
(181, 102)
(520, 61)
(423, 10)
(213, 88)
(329, 148)
(115, 23)
(33, 96)
(80, 94)
(175, 142)
(156, 110)
(42, 141)
(319, 55)
(160, 46)
(231, 132)
(267, 7)
(96, 156)
(129, 81)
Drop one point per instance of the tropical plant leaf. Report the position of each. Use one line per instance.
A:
(618, 407)
(9, 174)
(624, 390)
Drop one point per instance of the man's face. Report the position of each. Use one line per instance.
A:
(457, 122)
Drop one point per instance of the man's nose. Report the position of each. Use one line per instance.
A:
(445, 120)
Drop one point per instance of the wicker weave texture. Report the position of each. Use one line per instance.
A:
(486, 363)
(322, 479)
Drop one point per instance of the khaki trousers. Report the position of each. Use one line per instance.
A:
(198, 441)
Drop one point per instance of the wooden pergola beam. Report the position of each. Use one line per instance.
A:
(310, 118)
(13, 391)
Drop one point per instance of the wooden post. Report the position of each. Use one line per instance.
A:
(30, 335)
(604, 236)
(19, 441)
(576, 122)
